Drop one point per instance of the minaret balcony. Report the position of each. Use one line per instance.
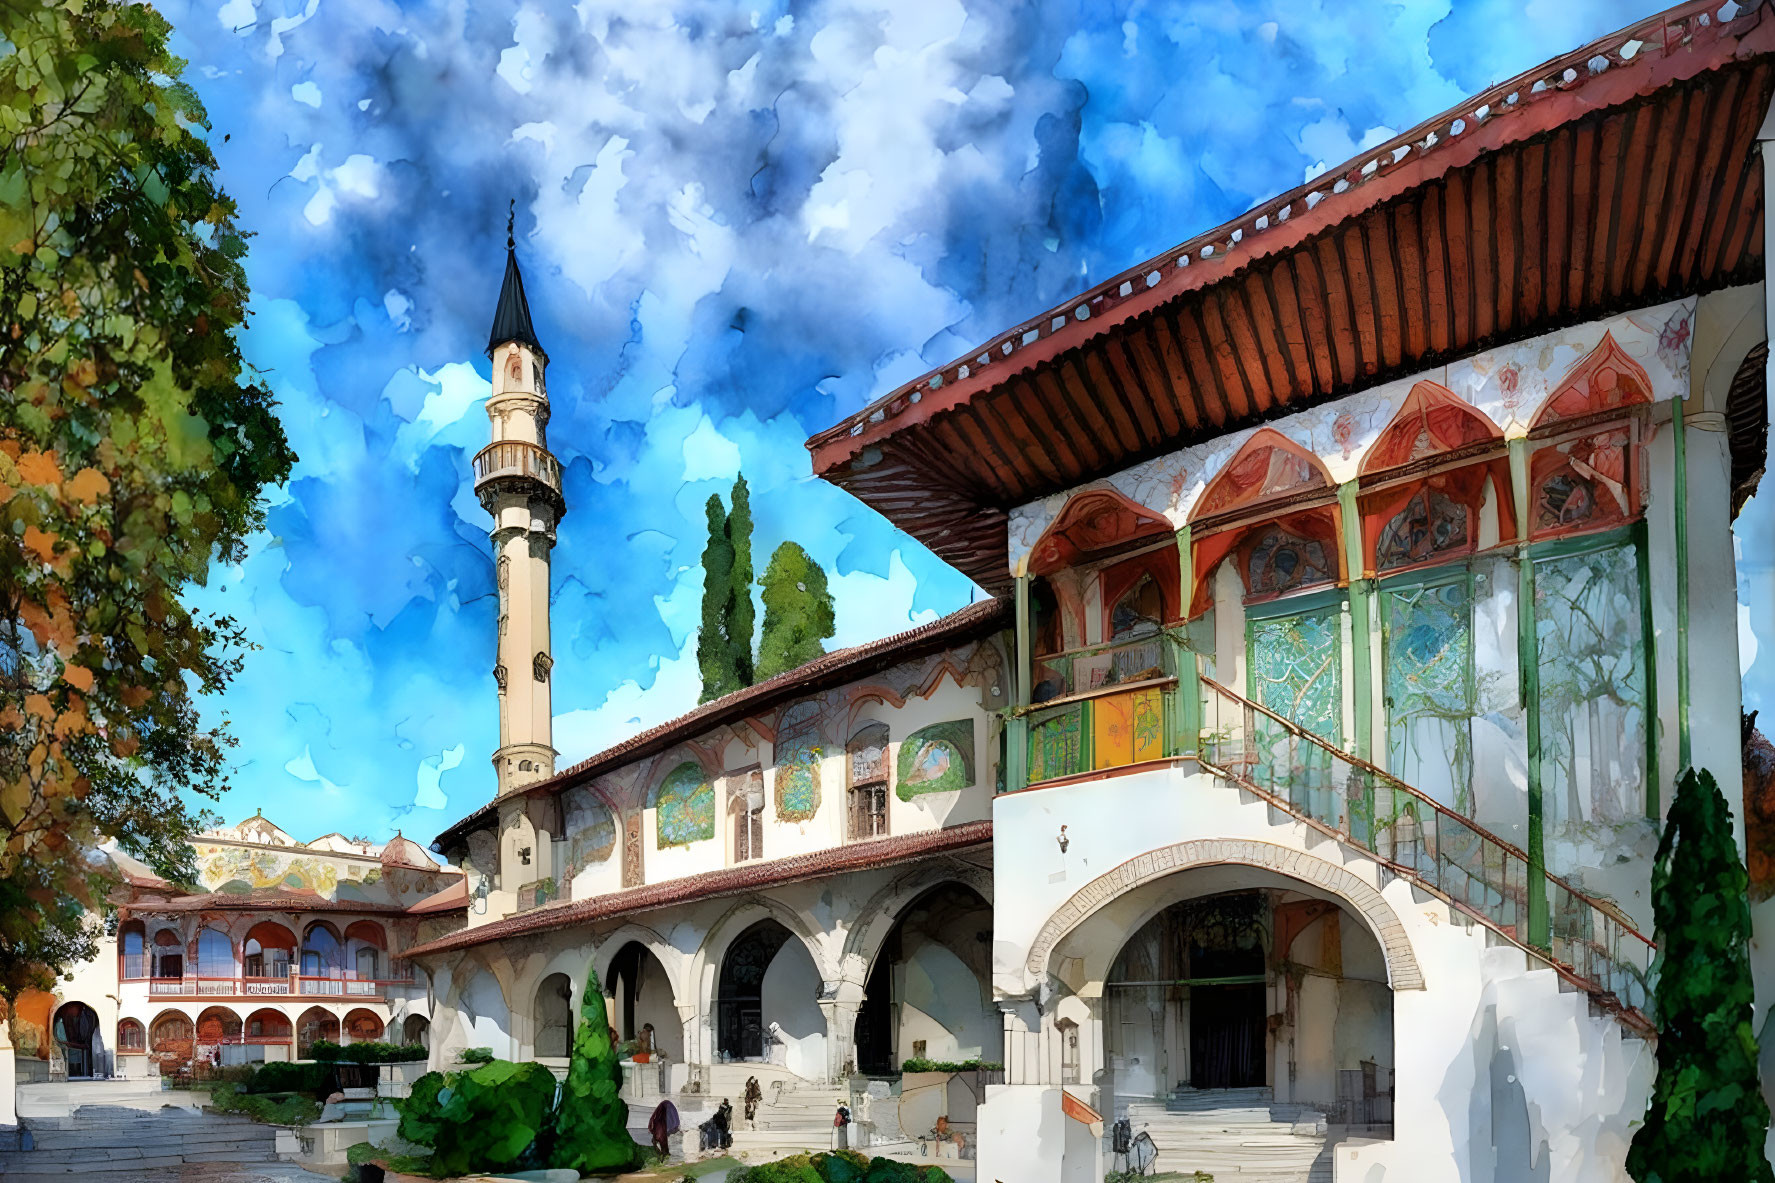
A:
(521, 466)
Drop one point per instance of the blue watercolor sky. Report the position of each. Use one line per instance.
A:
(738, 222)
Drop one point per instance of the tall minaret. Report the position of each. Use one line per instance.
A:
(519, 482)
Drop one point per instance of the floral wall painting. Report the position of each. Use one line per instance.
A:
(684, 807)
(936, 759)
(799, 753)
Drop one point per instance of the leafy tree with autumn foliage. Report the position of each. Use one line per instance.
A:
(132, 455)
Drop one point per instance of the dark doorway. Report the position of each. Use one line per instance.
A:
(75, 1026)
(625, 985)
(1226, 1036)
(875, 1018)
(739, 1007)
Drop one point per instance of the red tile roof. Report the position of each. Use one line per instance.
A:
(453, 898)
(856, 856)
(839, 666)
(1617, 176)
(260, 901)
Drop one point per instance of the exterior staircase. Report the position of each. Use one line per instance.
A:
(794, 1116)
(124, 1144)
(1235, 1135)
(1485, 880)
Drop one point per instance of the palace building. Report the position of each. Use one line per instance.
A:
(287, 943)
(1361, 579)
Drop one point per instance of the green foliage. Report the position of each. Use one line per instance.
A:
(421, 1110)
(838, 1166)
(797, 611)
(741, 615)
(714, 656)
(133, 451)
(724, 642)
(918, 1065)
(490, 1116)
(592, 1127)
(475, 1055)
(1707, 1119)
(369, 1051)
(316, 1080)
(291, 1109)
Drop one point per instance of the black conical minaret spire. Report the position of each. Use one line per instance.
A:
(511, 319)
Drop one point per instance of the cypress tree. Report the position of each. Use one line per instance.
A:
(797, 611)
(592, 1124)
(714, 657)
(1707, 1119)
(740, 614)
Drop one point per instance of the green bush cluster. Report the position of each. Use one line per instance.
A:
(475, 1055)
(292, 1109)
(839, 1166)
(316, 1080)
(369, 1051)
(489, 1118)
(917, 1065)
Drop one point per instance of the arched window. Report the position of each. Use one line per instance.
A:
(169, 955)
(218, 1024)
(132, 944)
(269, 950)
(170, 1042)
(1270, 509)
(1137, 612)
(267, 1026)
(131, 1038)
(1584, 474)
(215, 954)
(362, 1026)
(417, 1029)
(554, 1016)
(745, 805)
(315, 1024)
(367, 945)
(866, 770)
(322, 952)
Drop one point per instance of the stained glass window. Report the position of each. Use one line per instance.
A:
(684, 806)
(1432, 524)
(1429, 688)
(1592, 699)
(1282, 561)
(1295, 669)
(1581, 484)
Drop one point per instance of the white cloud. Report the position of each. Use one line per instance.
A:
(306, 92)
(430, 794)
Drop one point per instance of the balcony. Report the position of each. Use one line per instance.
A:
(1104, 706)
(349, 986)
(517, 461)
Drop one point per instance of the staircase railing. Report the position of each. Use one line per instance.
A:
(1415, 836)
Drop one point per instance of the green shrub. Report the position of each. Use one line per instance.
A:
(372, 1051)
(491, 1116)
(421, 1111)
(841, 1166)
(592, 1129)
(292, 1109)
(917, 1065)
(316, 1080)
(475, 1055)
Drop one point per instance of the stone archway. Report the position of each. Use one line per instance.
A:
(1403, 972)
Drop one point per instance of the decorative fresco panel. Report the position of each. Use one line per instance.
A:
(1509, 385)
(1295, 669)
(243, 869)
(1128, 728)
(684, 807)
(936, 759)
(591, 830)
(1056, 743)
(798, 778)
